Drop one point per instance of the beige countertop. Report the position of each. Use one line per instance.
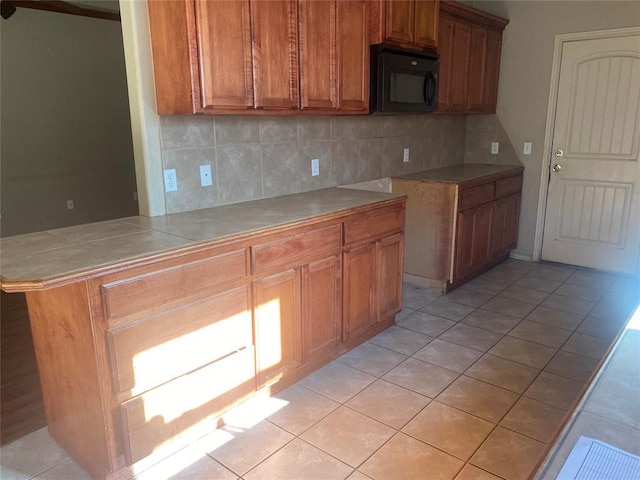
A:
(459, 173)
(37, 260)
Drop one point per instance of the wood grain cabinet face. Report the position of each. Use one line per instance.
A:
(410, 23)
(469, 44)
(359, 290)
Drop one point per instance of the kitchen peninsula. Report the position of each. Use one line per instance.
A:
(147, 329)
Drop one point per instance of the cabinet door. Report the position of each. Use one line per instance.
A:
(317, 30)
(445, 49)
(426, 23)
(275, 58)
(277, 325)
(359, 307)
(400, 21)
(321, 306)
(463, 263)
(459, 78)
(491, 71)
(505, 226)
(389, 292)
(481, 243)
(477, 65)
(352, 27)
(224, 54)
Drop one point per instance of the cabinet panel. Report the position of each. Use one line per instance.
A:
(463, 263)
(390, 255)
(481, 243)
(352, 25)
(445, 49)
(426, 23)
(477, 67)
(476, 196)
(505, 226)
(277, 325)
(459, 75)
(359, 307)
(275, 47)
(321, 306)
(362, 227)
(224, 54)
(399, 24)
(317, 37)
(185, 409)
(158, 349)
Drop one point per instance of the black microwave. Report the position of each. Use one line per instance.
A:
(403, 81)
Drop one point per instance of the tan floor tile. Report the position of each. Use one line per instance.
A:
(555, 390)
(568, 304)
(298, 459)
(472, 337)
(177, 468)
(509, 454)
(583, 293)
(570, 365)
(555, 317)
(617, 398)
(31, 454)
(522, 351)
(523, 294)
(594, 426)
(337, 381)
(358, 476)
(245, 449)
(478, 398)
(469, 297)
(415, 297)
(508, 306)
(388, 403)
(421, 377)
(514, 265)
(303, 408)
(534, 419)
(372, 359)
(401, 340)
(405, 458)
(449, 429)
(485, 286)
(558, 273)
(586, 345)
(501, 276)
(348, 435)
(470, 472)
(597, 327)
(599, 280)
(536, 283)
(448, 355)
(613, 310)
(494, 321)
(426, 324)
(70, 470)
(503, 373)
(540, 333)
(444, 308)
(405, 312)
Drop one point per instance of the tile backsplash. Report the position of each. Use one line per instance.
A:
(259, 157)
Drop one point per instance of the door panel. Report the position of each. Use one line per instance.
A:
(593, 217)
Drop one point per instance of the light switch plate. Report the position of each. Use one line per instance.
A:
(527, 148)
(405, 157)
(495, 148)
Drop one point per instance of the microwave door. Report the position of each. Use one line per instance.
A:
(429, 89)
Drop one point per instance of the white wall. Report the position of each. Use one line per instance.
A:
(525, 77)
(65, 125)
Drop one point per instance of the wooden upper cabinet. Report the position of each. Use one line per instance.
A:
(407, 23)
(318, 63)
(352, 50)
(224, 54)
(275, 53)
(469, 44)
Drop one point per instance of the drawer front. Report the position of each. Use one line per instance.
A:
(374, 226)
(508, 186)
(131, 295)
(287, 250)
(160, 348)
(476, 196)
(186, 408)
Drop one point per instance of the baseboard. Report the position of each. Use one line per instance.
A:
(519, 256)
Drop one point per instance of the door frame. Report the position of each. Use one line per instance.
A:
(551, 115)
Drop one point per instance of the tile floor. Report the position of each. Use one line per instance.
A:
(471, 385)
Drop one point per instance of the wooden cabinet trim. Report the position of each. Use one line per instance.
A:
(472, 15)
(476, 196)
(509, 185)
(373, 226)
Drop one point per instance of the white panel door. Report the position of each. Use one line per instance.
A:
(593, 205)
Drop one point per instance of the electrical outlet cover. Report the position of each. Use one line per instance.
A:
(205, 175)
(495, 148)
(170, 180)
(405, 155)
(315, 167)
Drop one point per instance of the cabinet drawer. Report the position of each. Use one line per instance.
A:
(186, 408)
(374, 226)
(476, 196)
(509, 185)
(131, 295)
(160, 348)
(289, 249)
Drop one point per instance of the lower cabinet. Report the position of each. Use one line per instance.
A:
(359, 290)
